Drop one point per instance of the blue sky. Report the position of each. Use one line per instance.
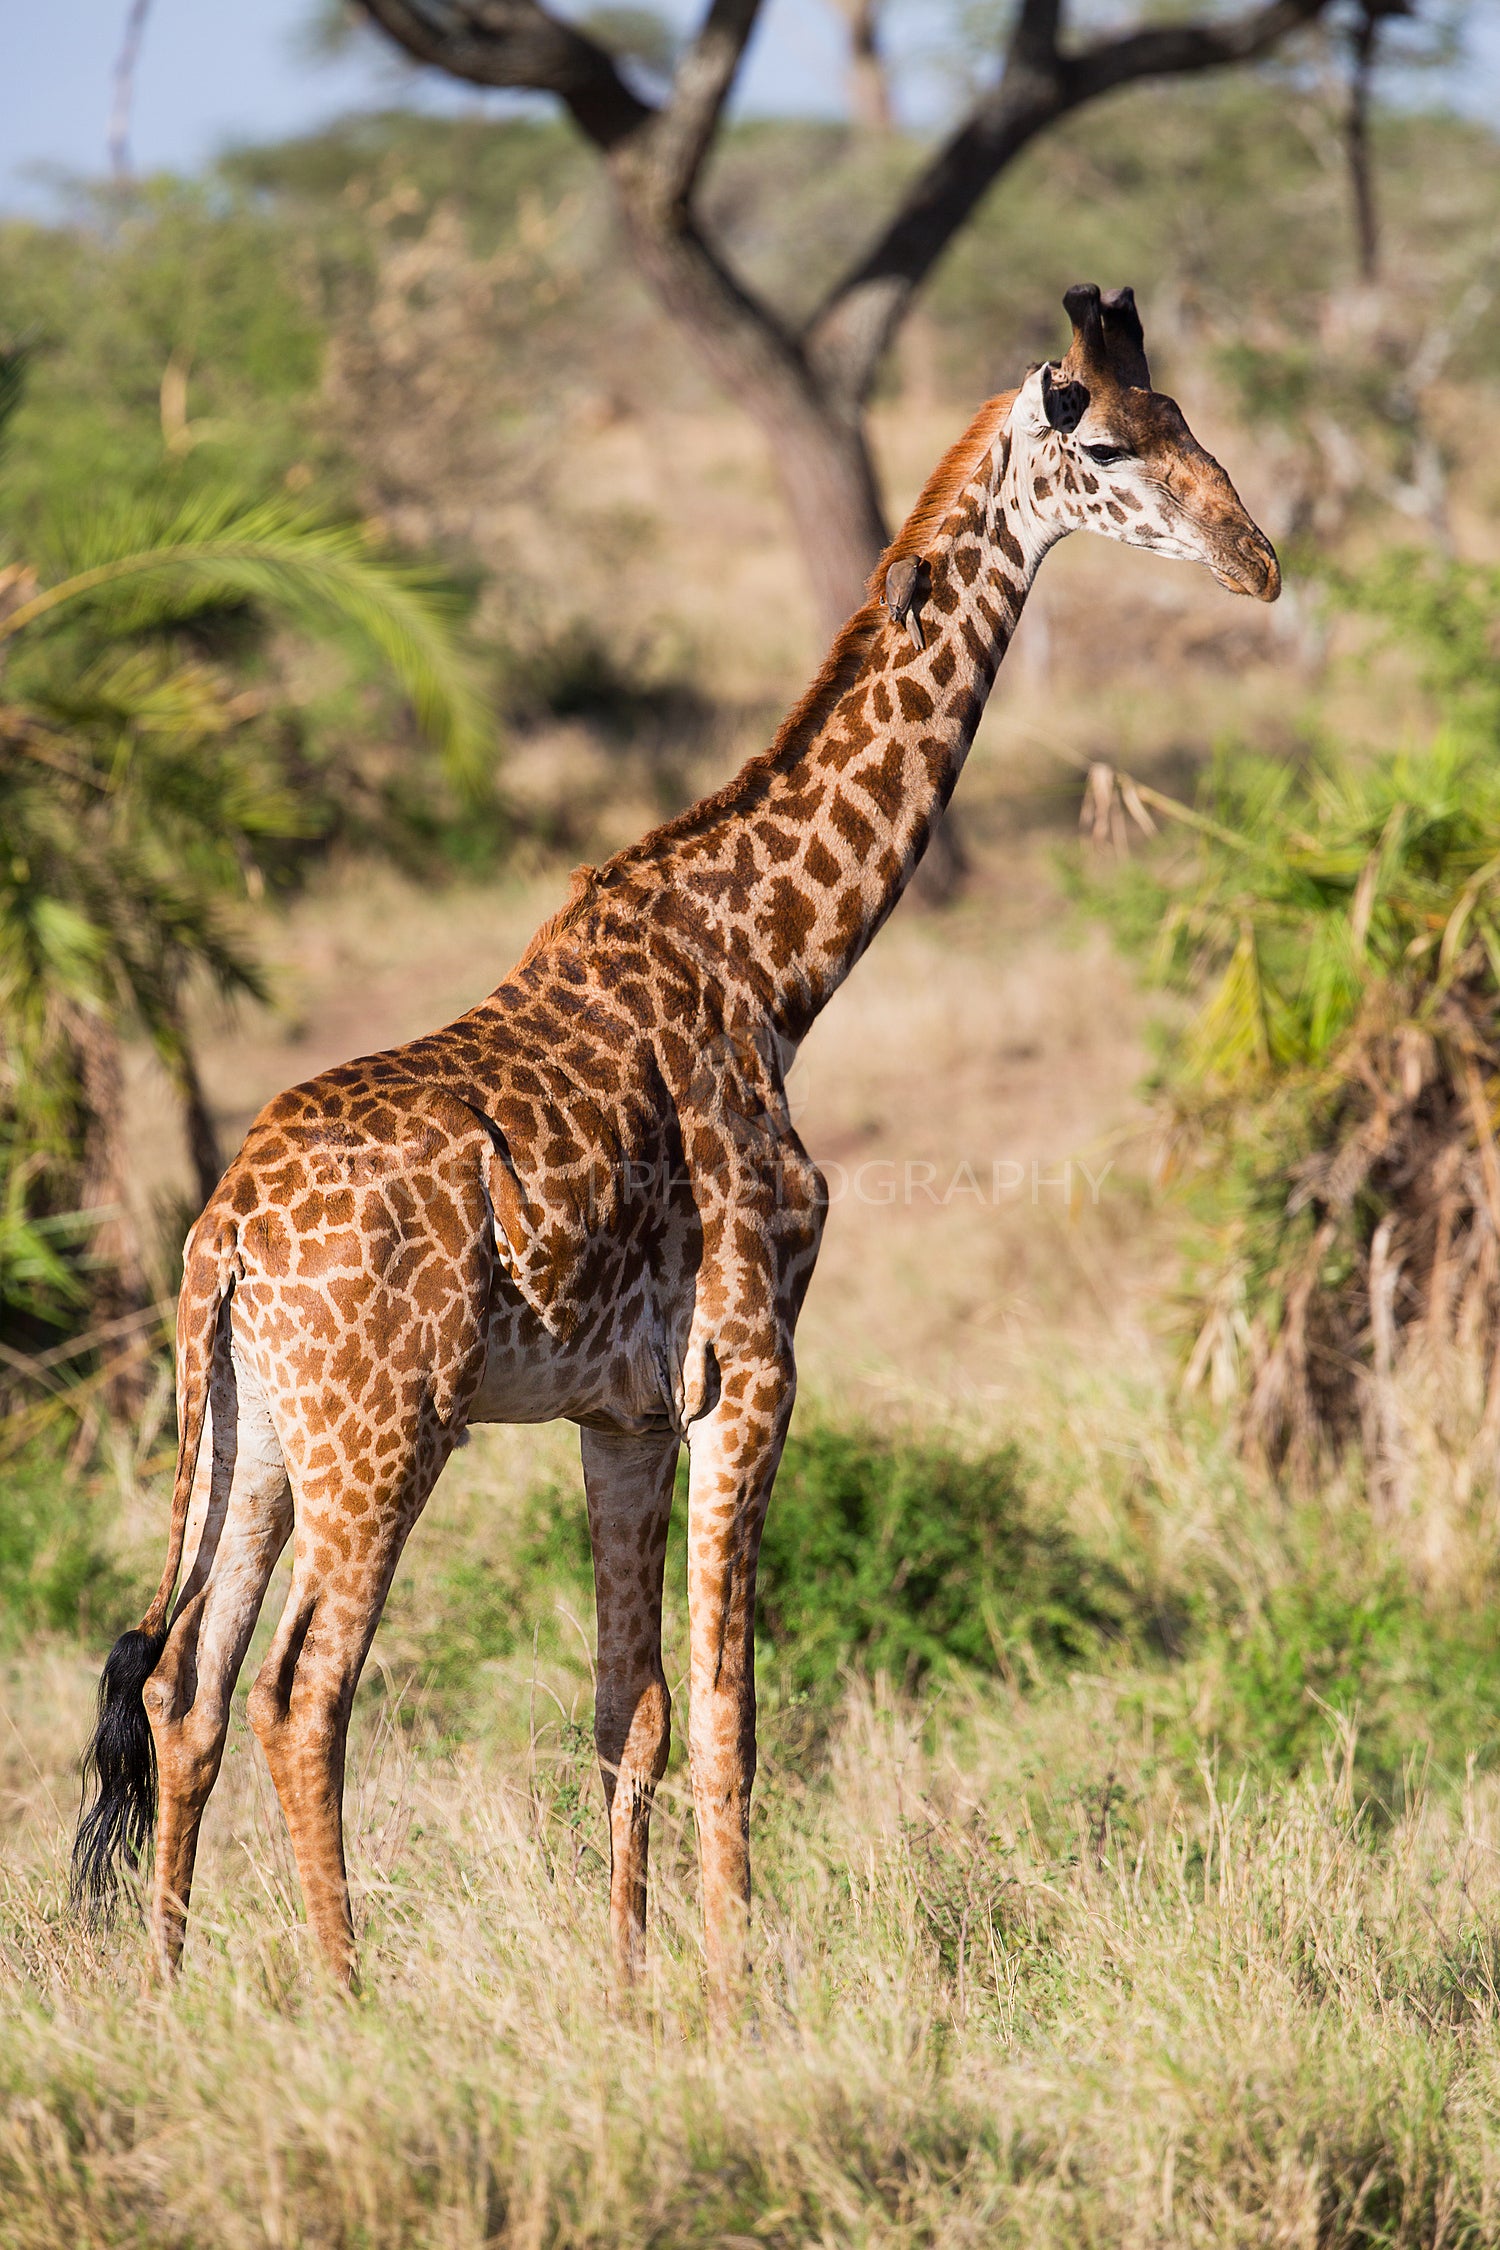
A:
(215, 71)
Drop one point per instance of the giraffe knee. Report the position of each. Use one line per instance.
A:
(298, 1718)
(265, 1710)
(268, 1706)
(187, 1714)
(633, 1731)
(189, 1744)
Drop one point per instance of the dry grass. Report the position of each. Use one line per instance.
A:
(1016, 1982)
(1028, 1970)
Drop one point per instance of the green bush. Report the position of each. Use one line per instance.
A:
(881, 1554)
(904, 1558)
(1406, 1677)
(1332, 1093)
(56, 1574)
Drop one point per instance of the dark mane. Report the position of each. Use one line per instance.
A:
(841, 668)
(944, 488)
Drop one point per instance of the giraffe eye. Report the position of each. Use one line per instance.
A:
(1108, 455)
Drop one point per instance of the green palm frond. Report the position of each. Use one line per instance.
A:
(35, 1276)
(174, 732)
(1230, 1040)
(154, 774)
(140, 568)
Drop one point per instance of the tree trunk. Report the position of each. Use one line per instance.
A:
(828, 480)
(821, 458)
(204, 1152)
(124, 91)
(202, 1135)
(869, 88)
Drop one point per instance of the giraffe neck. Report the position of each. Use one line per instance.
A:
(799, 862)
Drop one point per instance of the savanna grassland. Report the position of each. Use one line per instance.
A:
(1128, 1823)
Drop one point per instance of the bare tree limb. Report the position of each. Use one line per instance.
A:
(847, 336)
(869, 88)
(821, 458)
(1169, 50)
(683, 131)
(516, 43)
(1033, 43)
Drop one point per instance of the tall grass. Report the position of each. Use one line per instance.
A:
(1181, 1931)
(1013, 1984)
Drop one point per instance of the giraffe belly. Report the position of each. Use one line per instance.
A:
(532, 1376)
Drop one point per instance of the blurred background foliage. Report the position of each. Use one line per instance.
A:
(1331, 1097)
(357, 394)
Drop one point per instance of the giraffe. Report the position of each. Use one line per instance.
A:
(586, 1199)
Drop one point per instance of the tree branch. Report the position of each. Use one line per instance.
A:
(1033, 43)
(681, 135)
(124, 89)
(1168, 50)
(517, 43)
(848, 334)
(654, 157)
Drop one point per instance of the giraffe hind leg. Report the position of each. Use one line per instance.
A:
(238, 1524)
(348, 1543)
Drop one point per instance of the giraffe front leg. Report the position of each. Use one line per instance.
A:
(735, 1450)
(629, 1485)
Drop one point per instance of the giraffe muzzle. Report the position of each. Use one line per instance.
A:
(1249, 566)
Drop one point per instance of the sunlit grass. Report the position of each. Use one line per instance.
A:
(1014, 1981)
(1053, 1958)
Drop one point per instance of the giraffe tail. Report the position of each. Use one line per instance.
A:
(119, 1766)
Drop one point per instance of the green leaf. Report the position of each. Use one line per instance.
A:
(135, 566)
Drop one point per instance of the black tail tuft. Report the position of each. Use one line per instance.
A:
(119, 1766)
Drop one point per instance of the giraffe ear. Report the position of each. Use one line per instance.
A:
(1064, 404)
(1087, 350)
(1125, 339)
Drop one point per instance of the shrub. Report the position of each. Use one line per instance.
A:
(55, 1572)
(904, 1558)
(1334, 1091)
(881, 1554)
(1405, 1678)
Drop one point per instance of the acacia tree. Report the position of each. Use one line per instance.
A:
(808, 384)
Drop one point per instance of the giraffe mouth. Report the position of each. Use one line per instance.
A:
(1250, 567)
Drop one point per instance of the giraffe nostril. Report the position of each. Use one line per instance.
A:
(1265, 570)
(1250, 566)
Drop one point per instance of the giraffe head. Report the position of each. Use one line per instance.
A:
(1110, 454)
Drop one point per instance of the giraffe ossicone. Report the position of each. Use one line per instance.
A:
(587, 1199)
